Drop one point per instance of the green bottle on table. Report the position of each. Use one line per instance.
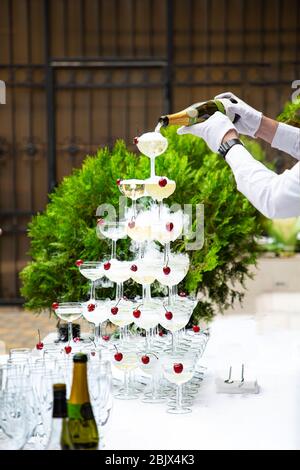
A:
(59, 437)
(82, 425)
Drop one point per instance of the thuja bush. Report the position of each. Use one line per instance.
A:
(65, 231)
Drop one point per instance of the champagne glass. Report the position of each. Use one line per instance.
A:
(150, 364)
(178, 370)
(92, 270)
(126, 360)
(14, 423)
(174, 318)
(69, 312)
(95, 312)
(151, 144)
(133, 189)
(114, 230)
(174, 271)
(120, 314)
(118, 272)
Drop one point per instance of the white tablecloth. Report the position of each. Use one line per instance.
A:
(269, 420)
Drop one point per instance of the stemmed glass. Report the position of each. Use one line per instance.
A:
(151, 144)
(174, 318)
(114, 230)
(134, 189)
(13, 419)
(92, 270)
(145, 316)
(95, 312)
(126, 360)
(178, 370)
(174, 271)
(150, 363)
(69, 312)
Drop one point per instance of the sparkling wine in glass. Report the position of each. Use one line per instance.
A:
(92, 270)
(114, 230)
(178, 370)
(69, 312)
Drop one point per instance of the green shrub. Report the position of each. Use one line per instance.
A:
(65, 231)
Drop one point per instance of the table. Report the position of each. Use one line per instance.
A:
(269, 420)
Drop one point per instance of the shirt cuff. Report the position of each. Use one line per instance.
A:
(238, 155)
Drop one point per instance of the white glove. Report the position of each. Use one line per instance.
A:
(249, 121)
(212, 130)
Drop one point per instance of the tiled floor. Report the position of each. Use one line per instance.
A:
(18, 328)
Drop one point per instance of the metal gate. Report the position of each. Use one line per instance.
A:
(82, 73)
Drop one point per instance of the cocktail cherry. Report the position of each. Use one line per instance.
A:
(178, 368)
(118, 356)
(39, 345)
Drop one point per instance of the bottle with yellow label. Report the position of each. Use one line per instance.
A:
(82, 425)
(197, 112)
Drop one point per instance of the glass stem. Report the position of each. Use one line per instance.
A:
(146, 292)
(96, 334)
(70, 332)
(166, 253)
(113, 249)
(119, 288)
(179, 397)
(152, 167)
(126, 383)
(92, 290)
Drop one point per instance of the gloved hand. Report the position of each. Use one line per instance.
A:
(249, 121)
(212, 130)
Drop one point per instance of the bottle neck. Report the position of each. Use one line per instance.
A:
(79, 391)
(59, 405)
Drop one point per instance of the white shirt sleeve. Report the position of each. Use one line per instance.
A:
(287, 139)
(275, 196)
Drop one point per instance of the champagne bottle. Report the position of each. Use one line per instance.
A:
(59, 437)
(82, 425)
(195, 113)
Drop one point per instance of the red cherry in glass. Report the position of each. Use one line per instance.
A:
(136, 313)
(162, 182)
(68, 349)
(170, 226)
(182, 294)
(79, 262)
(118, 356)
(135, 140)
(114, 310)
(169, 315)
(134, 268)
(39, 345)
(161, 333)
(105, 338)
(91, 307)
(118, 181)
(55, 305)
(145, 359)
(131, 224)
(166, 270)
(196, 328)
(178, 368)
(106, 266)
(93, 353)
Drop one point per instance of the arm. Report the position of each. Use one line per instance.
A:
(275, 196)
